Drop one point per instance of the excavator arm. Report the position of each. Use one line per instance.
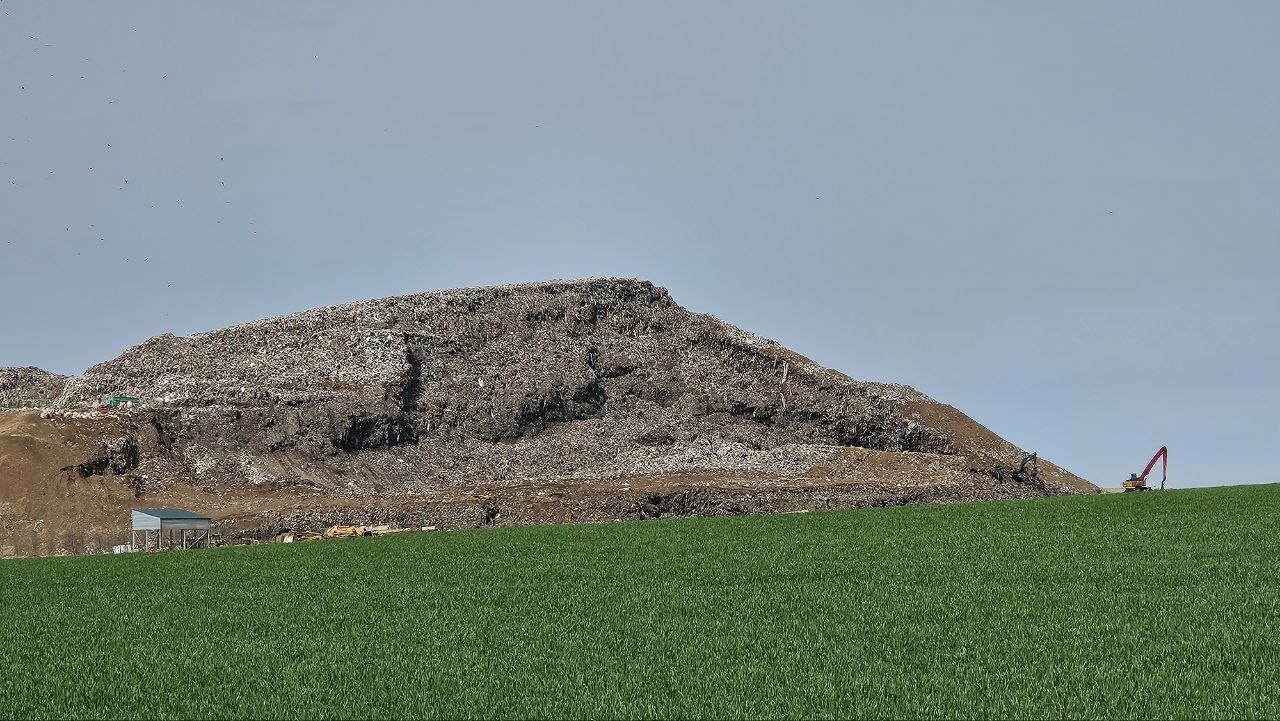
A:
(1161, 455)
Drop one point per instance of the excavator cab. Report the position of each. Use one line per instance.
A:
(1135, 483)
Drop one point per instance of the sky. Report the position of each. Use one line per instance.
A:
(1061, 218)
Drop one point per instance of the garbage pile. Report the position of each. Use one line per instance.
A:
(565, 395)
(570, 379)
(29, 387)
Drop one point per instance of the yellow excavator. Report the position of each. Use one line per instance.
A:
(1139, 482)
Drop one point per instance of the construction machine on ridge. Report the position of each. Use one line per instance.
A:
(1139, 482)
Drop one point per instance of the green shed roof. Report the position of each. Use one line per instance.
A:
(168, 513)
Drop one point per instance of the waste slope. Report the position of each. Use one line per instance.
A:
(1161, 605)
(29, 387)
(553, 402)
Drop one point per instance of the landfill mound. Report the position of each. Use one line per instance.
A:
(29, 387)
(563, 401)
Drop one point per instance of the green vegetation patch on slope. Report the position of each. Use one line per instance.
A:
(1154, 605)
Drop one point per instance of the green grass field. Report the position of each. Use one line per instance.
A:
(1156, 605)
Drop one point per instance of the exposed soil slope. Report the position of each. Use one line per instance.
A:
(559, 401)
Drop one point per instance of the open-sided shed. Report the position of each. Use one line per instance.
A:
(167, 527)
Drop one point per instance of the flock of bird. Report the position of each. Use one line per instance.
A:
(33, 116)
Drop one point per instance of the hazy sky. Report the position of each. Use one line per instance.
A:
(1063, 218)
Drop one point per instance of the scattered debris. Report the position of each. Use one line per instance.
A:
(291, 536)
(345, 531)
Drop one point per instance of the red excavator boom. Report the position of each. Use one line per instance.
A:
(1161, 455)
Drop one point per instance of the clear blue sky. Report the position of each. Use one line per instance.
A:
(1063, 218)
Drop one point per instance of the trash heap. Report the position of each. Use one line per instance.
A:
(565, 395)
(29, 387)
